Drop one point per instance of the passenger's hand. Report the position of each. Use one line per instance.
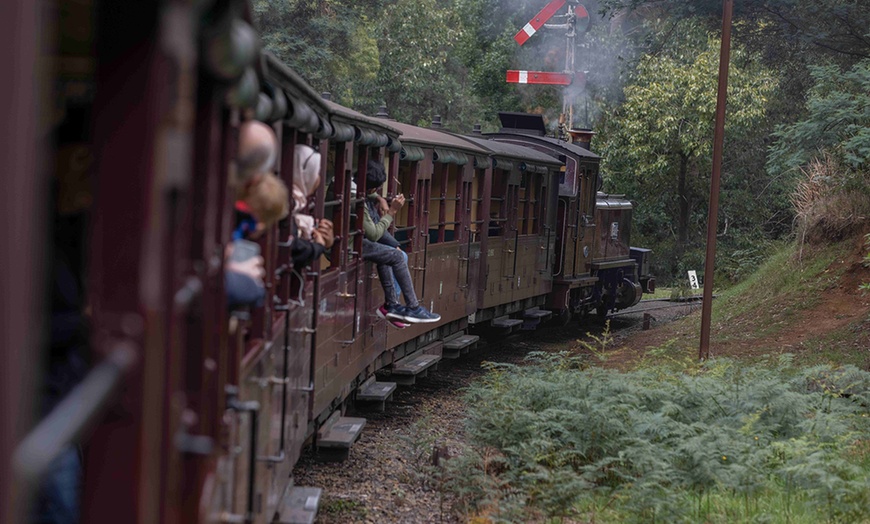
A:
(324, 234)
(397, 203)
(383, 207)
(252, 267)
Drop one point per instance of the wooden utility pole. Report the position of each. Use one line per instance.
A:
(713, 213)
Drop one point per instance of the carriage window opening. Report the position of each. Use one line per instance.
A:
(436, 203)
(475, 205)
(523, 203)
(444, 196)
(463, 210)
(531, 209)
(403, 226)
(420, 213)
(498, 211)
(356, 201)
(452, 192)
(591, 174)
(340, 169)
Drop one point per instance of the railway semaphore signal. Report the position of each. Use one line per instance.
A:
(575, 19)
(539, 77)
(538, 21)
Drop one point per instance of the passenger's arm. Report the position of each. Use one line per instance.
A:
(304, 252)
(373, 231)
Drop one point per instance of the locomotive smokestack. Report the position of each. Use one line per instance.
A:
(476, 129)
(382, 111)
(326, 95)
(582, 137)
(436, 122)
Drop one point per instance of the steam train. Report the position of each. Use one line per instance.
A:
(194, 413)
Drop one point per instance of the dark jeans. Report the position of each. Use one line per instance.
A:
(58, 499)
(391, 262)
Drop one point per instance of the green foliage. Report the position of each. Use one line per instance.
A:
(330, 42)
(837, 120)
(366, 53)
(667, 446)
(808, 29)
(421, 75)
(659, 142)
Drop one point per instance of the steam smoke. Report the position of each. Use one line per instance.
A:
(601, 52)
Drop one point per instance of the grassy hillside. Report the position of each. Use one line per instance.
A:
(804, 300)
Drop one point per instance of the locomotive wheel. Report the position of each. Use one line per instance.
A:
(562, 318)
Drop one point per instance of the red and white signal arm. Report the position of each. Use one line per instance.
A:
(546, 78)
(539, 20)
(539, 77)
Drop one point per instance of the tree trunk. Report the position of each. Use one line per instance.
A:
(683, 197)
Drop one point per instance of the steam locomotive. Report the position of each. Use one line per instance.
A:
(195, 413)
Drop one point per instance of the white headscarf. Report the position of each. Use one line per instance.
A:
(306, 178)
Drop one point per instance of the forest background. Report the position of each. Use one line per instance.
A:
(797, 127)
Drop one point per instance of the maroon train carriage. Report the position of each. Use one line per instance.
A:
(192, 413)
(514, 223)
(435, 171)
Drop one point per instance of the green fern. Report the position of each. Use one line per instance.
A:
(724, 442)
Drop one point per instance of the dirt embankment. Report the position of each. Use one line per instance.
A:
(831, 324)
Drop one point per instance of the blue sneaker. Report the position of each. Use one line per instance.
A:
(417, 315)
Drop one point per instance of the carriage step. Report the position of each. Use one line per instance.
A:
(407, 370)
(506, 324)
(532, 318)
(458, 344)
(300, 506)
(539, 314)
(374, 395)
(337, 435)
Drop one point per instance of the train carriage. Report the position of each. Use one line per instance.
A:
(514, 221)
(435, 172)
(195, 412)
(595, 267)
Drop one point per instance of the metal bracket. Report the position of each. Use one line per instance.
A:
(273, 459)
(193, 444)
(226, 517)
(284, 270)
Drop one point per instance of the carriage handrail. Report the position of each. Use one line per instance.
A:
(74, 415)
